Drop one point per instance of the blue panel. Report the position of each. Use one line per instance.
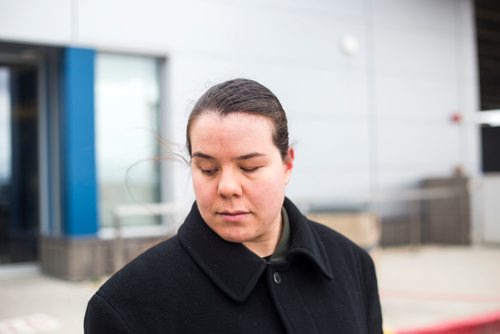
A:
(78, 143)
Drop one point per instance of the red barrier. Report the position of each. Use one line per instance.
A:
(483, 324)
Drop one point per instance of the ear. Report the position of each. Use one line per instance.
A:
(288, 164)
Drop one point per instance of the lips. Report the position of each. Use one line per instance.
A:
(233, 215)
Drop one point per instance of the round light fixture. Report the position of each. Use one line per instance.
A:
(349, 45)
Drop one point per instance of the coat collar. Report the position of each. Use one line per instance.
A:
(233, 267)
(305, 240)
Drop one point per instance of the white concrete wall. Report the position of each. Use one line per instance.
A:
(424, 70)
(374, 121)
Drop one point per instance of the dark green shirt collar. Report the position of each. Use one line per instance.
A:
(284, 242)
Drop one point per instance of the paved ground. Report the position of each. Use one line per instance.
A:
(34, 303)
(437, 284)
(419, 287)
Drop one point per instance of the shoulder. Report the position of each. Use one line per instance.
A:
(156, 277)
(154, 264)
(339, 246)
(161, 268)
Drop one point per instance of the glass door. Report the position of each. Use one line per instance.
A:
(19, 177)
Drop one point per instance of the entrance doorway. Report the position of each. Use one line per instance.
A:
(19, 172)
(488, 53)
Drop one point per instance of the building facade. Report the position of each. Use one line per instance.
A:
(380, 95)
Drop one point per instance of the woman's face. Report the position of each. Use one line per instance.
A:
(239, 177)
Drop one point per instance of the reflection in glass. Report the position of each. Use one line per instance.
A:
(5, 157)
(5, 161)
(127, 111)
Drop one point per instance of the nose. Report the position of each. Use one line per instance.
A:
(229, 184)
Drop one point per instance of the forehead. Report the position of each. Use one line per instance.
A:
(238, 120)
(212, 131)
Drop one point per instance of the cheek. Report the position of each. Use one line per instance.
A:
(275, 181)
(201, 188)
(268, 192)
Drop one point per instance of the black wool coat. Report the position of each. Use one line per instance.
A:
(196, 282)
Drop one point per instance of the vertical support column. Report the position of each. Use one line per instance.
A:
(78, 151)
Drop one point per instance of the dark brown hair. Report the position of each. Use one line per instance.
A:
(247, 96)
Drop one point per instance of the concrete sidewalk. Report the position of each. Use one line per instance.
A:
(420, 287)
(437, 285)
(34, 303)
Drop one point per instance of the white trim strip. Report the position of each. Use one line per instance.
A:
(490, 117)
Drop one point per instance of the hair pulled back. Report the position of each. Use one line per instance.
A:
(246, 96)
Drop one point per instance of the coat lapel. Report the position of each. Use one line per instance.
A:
(233, 267)
(305, 241)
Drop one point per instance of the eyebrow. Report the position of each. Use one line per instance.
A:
(241, 157)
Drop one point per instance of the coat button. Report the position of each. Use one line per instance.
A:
(277, 278)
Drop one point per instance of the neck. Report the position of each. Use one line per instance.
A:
(266, 245)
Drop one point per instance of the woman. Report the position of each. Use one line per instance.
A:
(245, 260)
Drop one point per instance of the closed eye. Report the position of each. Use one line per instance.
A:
(250, 170)
(209, 172)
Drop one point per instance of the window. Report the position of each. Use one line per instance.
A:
(127, 126)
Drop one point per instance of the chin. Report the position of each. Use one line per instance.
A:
(231, 236)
